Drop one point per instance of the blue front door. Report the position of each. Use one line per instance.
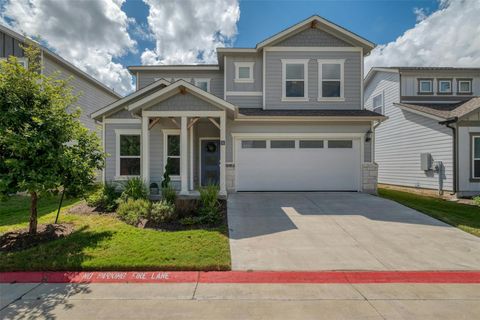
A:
(210, 156)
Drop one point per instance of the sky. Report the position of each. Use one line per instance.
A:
(104, 37)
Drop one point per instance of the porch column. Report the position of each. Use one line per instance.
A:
(223, 134)
(184, 156)
(145, 151)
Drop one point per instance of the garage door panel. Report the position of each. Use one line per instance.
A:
(297, 169)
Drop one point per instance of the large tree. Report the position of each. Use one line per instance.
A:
(43, 146)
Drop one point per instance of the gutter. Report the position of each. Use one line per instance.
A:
(448, 124)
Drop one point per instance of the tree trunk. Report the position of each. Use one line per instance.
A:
(33, 213)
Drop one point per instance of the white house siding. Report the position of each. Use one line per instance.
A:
(352, 80)
(465, 186)
(144, 78)
(401, 139)
(410, 82)
(91, 96)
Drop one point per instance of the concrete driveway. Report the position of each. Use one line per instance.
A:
(341, 231)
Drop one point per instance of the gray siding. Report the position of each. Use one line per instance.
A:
(400, 139)
(246, 101)
(121, 114)
(183, 102)
(145, 78)
(257, 72)
(410, 83)
(91, 97)
(352, 80)
(466, 187)
(9, 46)
(313, 37)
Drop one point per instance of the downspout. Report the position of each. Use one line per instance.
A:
(448, 124)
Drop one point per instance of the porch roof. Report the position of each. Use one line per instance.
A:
(444, 111)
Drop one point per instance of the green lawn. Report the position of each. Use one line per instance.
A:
(105, 243)
(462, 216)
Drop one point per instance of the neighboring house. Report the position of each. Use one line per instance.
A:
(286, 115)
(433, 112)
(92, 93)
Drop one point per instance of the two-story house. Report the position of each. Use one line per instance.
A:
(286, 115)
(91, 93)
(432, 136)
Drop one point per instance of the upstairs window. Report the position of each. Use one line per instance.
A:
(425, 86)
(295, 83)
(244, 72)
(464, 86)
(330, 79)
(378, 103)
(445, 86)
(203, 84)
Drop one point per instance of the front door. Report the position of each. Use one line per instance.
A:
(210, 157)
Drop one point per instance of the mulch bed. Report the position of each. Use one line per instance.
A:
(21, 239)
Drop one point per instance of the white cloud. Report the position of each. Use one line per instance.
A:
(89, 34)
(190, 30)
(447, 37)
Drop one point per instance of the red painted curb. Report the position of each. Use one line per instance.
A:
(243, 277)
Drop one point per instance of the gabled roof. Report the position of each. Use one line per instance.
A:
(175, 88)
(443, 111)
(119, 104)
(317, 21)
(59, 59)
(374, 70)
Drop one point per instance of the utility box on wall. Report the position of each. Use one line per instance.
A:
(425, 161)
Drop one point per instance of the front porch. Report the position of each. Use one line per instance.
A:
(192, 142)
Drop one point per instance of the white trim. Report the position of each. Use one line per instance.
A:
(223, 155)
(207, 80)
(472, 169)
(243, 64)
(145, 151)
(178, 67)
(123, 132)
(305, 79)
(315, 49)
(224, 77)
(104, 170)
(200, 139)
(420, 85)
(308, 21)
(341, 62)
(190, 144)
(184, 155)
(166, 133)
(427, 115)
(245, 50)
(122, 121)
(460, 81)
(245, 93)
(439, 84)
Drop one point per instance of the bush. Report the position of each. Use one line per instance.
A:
(476, 200)
(169, 194)
(162, 211)
(132, 211)
(105, 198)
(135, 189)
(209, 211)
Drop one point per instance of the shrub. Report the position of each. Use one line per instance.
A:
(132, 211)
(210, 207)
(162, 211)
(105, 198)
(135, 189)
(190, 221)
(476, 200)
(169, 194)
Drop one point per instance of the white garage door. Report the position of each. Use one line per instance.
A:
(297, 164)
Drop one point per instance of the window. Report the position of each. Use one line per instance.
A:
(425, 86)
(340, 144)
(464, 86)
(378, 103)
(330, 79)
(282, 144)
(244, 71)
(203, 84)
(128, 153)
(445, 86)
(22, 61)
(172, 152)
(476, 157)
(311, 144)
(295, 84)
(254, 144)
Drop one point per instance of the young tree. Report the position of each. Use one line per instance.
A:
(43, 146)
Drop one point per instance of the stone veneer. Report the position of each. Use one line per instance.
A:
(369, 177)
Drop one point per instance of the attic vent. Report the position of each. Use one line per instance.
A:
(314, 24)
